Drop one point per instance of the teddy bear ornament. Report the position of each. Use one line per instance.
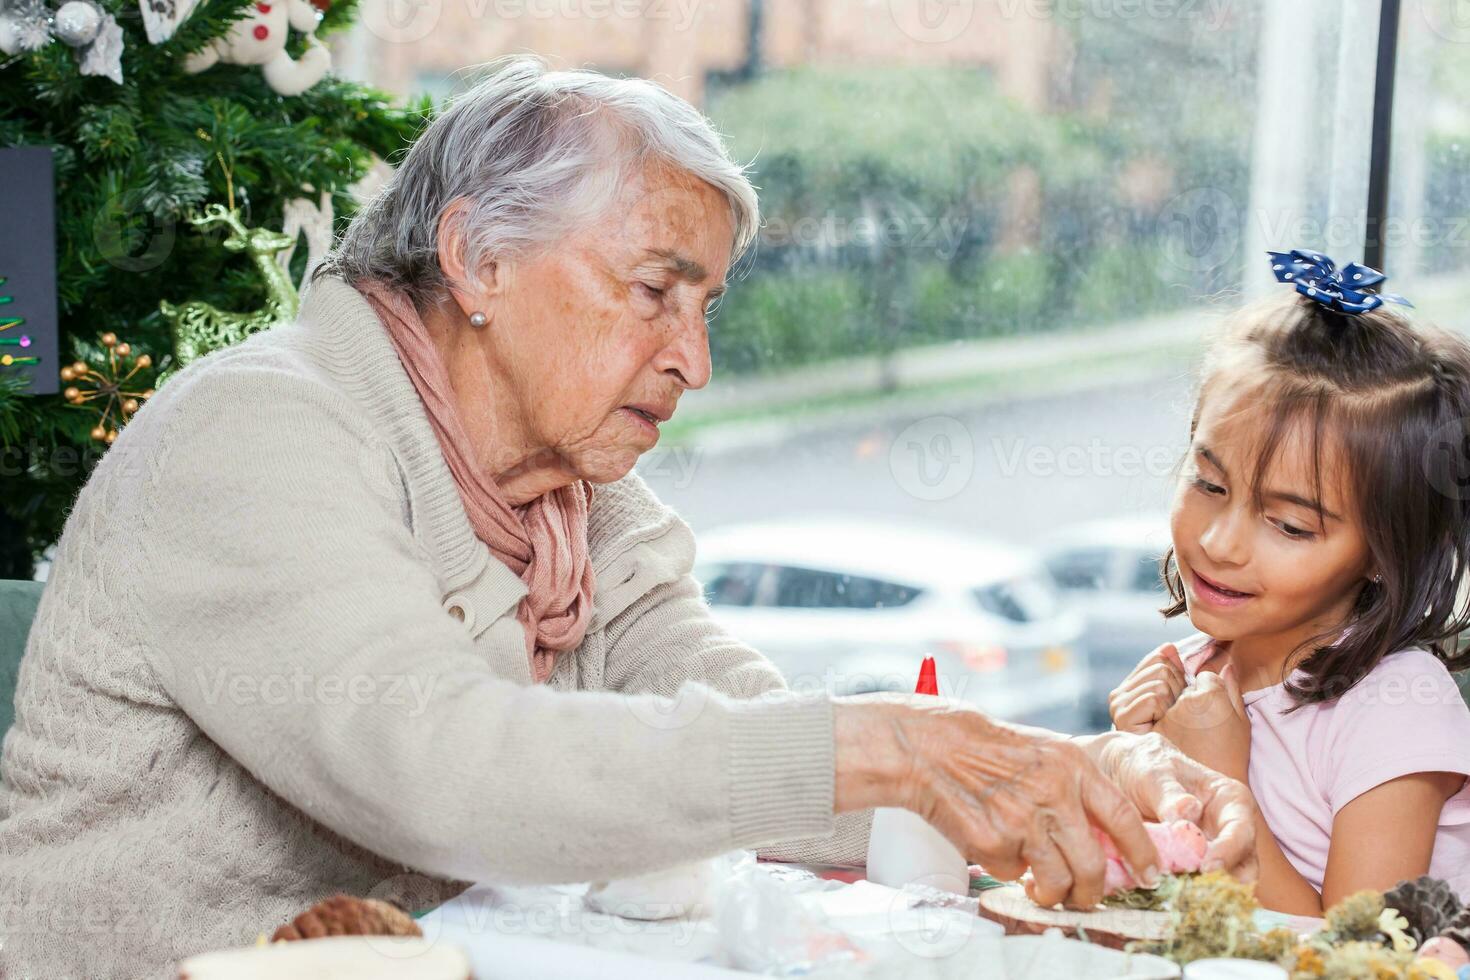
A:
(260, 39)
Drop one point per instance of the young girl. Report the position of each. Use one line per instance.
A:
(1320, 535)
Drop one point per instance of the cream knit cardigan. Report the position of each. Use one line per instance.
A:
(273, 662)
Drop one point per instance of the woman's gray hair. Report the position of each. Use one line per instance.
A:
(537, 154)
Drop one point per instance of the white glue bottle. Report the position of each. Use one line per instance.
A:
(903, 849)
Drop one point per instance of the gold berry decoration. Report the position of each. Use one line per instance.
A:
(106, 384)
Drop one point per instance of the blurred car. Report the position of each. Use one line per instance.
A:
(1108, 572)
(852, 606)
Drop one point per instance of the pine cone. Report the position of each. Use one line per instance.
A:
(1428, 903)
(343, 915)
(1458, 929)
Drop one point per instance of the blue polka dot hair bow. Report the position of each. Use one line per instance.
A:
(1315, 276)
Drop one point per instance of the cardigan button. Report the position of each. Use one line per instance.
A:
(457, 606)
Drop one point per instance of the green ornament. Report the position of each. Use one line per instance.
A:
(199, 328)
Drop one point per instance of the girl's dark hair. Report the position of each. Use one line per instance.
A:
(1395, 397)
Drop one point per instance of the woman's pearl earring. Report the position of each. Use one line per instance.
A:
(478, 319)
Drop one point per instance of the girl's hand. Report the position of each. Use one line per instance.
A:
(1209, 724)
(1140, 702)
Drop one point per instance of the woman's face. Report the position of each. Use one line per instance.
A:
(598, 337)
(1275, 574)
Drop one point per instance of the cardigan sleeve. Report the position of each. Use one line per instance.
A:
(668, 639)
(287, 610)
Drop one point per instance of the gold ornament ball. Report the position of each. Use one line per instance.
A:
(111, 437)
(108, 339)
(72, 394)
(149, 392)
(99, 433)
(130, 406)
(79, 368)
(123, 350)
(67, 374)
(145, 361)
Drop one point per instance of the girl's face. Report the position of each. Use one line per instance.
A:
(1278, 573)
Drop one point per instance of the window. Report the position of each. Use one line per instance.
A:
(1146, 577)
(1023, 600)
(1081, 570)
(995, 240)
(735, 584)
(805, 588)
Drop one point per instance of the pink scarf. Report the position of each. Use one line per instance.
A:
(544, 541)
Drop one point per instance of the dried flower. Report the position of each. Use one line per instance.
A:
(1355, 918)
(1393, 925)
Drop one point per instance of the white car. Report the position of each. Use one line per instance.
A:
(852, 605)
(1108, 572)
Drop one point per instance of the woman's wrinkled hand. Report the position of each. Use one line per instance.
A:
(1010, 798)
(1165, 784)
(1146, 694)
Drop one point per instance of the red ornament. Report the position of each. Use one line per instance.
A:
(322, 5)
(264, 8)
(928, 682)
(261, 32)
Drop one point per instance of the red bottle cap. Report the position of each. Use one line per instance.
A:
(928, 682)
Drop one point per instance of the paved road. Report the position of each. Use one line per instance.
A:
(1013, 470)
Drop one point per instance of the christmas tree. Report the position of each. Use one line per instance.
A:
(158, 133)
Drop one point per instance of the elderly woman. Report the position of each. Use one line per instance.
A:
(371, 602)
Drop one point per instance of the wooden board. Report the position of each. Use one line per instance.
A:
(1020, 916)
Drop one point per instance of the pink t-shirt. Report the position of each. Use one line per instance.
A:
(1406, 716)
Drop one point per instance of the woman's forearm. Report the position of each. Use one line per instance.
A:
(873, 762)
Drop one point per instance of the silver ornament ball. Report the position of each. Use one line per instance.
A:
(77, 22)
